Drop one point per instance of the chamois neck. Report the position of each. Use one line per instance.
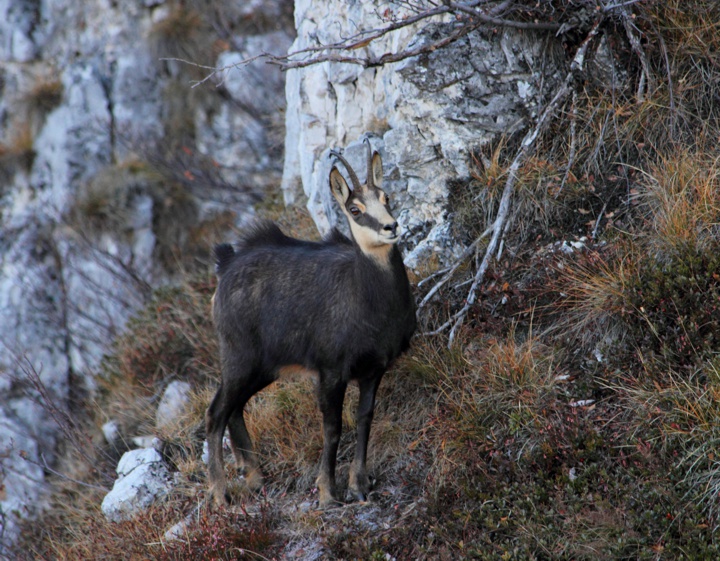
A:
(380, 254)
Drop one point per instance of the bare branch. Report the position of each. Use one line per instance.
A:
(469, 16)
(501, 22)
(67, 424)
(449, 272)
(573, 144)
(634, 40)
(64, 476)
(526, 149)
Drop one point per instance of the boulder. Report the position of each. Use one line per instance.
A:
(142, 479)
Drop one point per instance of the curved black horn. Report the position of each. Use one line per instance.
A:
(353, 177)
(370, 182)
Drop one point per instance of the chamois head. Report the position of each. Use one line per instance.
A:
(366, 206)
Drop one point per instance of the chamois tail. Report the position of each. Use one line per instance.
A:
(224, 254)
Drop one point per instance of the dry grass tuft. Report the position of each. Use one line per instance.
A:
(676, 414)
(19, 151)
(492, 394)
(44, 96)
(590, 296)
(682, 195)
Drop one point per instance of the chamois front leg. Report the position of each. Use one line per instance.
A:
(331, 397)
(359, 482)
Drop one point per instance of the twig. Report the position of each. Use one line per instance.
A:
(492, 20)
(64, 476)
(432, 276)
(620, 5)
(526, 148)
(465, 254)
(573, 144)
(598, 220)
(638, 50)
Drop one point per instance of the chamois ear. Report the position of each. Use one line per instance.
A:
(377, 170)
(339, 187)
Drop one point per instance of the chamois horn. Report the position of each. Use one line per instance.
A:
(353, 176)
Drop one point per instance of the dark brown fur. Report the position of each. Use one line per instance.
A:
(331, 307)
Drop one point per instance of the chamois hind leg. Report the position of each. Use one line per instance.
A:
(359, 482)
(216, 419)
(239, 382)
(242, 445)
(331, 397)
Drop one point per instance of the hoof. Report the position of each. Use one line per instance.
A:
(223, 499)
(329, 504)
(327, 499)
(359, 496)
(254, 480)
(359, 486)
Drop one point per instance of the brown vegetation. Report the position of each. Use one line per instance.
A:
(574, 417)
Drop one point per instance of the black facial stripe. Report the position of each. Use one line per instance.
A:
(368, 221)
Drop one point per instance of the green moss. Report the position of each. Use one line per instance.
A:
(674, 307)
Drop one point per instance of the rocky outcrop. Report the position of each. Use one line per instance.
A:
(109, 160)
(426, 113)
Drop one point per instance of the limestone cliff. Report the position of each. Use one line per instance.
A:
(427, 113)
(112, 166)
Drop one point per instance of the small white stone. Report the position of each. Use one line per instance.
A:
(143, 441)
(581, 403)
(111, 431)
(173, 404)
(177, 530)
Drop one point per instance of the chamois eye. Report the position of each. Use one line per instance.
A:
(387, 200)
(355, 211)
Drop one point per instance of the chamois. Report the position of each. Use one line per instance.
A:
(341, 308)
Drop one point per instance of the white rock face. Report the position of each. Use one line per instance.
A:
(63, 294)
(142, 479)
(426, 114)
(19, 491)
(173, 404)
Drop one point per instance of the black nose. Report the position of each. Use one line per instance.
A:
(391, 228)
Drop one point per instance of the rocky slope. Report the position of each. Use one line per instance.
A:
(111, 165)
